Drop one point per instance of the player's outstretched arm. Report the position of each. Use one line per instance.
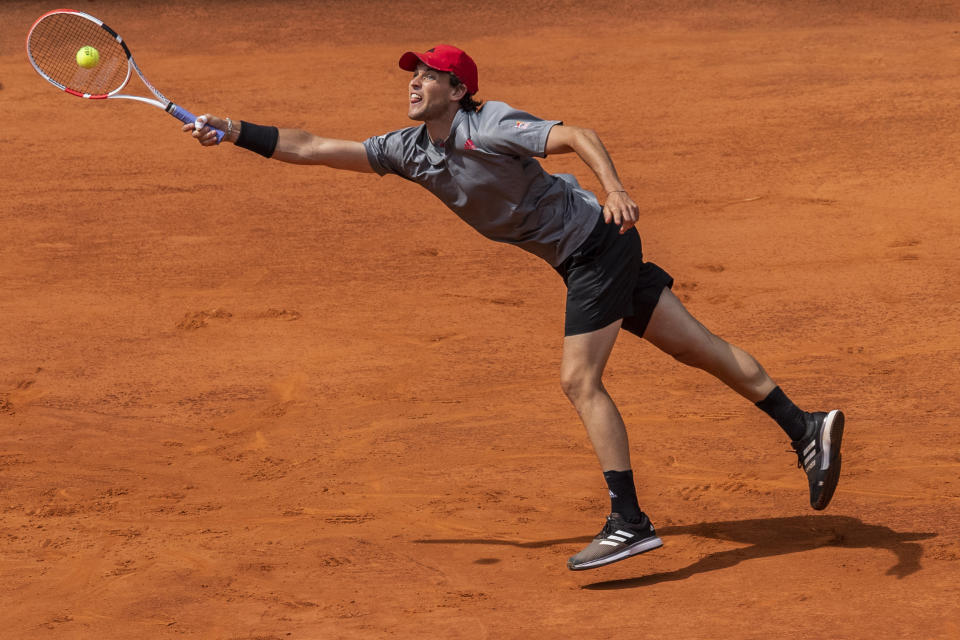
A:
(293, 145)
(619, 207)
(301, 147)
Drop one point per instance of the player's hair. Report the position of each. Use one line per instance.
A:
(467, 103)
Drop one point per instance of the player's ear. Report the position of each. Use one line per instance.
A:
(459, 92)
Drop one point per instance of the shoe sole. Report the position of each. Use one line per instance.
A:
(642, 546)
(832, 439)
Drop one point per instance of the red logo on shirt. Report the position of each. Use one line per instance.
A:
(468, 145)
(522, 125)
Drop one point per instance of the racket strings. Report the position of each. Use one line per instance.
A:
(53, 46)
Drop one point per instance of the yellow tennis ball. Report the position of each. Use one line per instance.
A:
(88, 57)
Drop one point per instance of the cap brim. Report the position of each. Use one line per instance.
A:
(409, 60)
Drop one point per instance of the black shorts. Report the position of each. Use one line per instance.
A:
(607, 279)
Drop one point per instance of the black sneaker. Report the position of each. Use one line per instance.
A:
(819, 455)
(619, 539)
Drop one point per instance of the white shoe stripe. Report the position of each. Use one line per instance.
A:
(621, 532)
(827, 434)
(607, 542)
(617, 538)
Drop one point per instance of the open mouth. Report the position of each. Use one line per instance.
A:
(415, 98)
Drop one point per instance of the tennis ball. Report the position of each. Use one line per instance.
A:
(88, 57)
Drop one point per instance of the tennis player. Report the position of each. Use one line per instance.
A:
(480, 161)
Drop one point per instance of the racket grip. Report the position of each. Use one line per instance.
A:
(186, 117)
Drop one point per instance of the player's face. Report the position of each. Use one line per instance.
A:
(430, 94)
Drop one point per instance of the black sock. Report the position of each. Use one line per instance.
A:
(788, 415)
(623, 495)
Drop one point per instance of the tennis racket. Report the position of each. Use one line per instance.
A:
(54, 47)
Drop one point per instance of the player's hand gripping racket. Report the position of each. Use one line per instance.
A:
(79, 54)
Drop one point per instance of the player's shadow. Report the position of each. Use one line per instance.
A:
(779, 536)
(765, 537)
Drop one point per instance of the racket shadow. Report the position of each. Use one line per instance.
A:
(539, 544)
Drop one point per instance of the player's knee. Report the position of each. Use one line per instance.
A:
(701, 352)
(568, 382)
(690, 357)
(578, 385)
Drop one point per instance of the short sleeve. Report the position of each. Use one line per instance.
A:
(510, 131)
(386, 152)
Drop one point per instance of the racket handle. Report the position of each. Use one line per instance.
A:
(186, 117)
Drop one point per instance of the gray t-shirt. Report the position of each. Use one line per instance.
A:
(486, 174)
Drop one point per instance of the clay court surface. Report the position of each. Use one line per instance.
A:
(241, 399)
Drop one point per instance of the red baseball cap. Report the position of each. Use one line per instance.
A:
(444, 57)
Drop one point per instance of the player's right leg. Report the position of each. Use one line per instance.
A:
(584, 358)
(628, 530)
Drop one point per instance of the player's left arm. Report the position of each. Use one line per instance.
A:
(619, 207)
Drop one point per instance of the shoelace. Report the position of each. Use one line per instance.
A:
(611, 527)
(608, 528)
(799, 452)
(799, 458)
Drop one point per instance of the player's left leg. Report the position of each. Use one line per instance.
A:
(816, 437)
(673, 330)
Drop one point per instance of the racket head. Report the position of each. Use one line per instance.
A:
(52, 46)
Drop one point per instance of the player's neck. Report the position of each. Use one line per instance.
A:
(439, 128)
